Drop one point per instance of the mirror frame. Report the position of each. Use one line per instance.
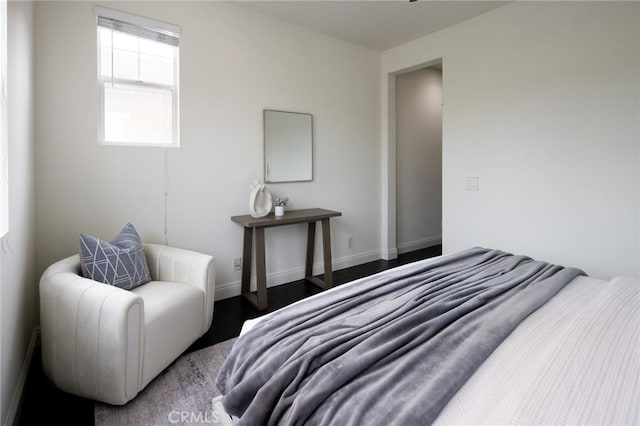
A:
(264, 130)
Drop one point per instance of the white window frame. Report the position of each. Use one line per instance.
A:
(4, 124)
(145, 25)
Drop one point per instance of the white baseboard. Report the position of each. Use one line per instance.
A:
(232, 289)
(390, 254)
(419, 244)
(349, 261)
(22, 379)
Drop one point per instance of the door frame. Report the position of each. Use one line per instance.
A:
(389, 156)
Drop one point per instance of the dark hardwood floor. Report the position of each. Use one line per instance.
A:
(43, 403)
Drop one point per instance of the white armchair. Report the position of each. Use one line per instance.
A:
(105, 343)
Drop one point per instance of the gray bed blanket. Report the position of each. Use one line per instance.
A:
(390, 349)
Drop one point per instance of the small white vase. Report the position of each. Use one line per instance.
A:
(279, 210)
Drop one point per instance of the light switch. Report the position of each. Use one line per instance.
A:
(471, 183)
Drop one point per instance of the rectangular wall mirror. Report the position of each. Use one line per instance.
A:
(288, 146)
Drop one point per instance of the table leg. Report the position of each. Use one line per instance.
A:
(247, 249)
(311, 243)
(261, 270)
(308, 270)
(258, 300)
(326, 246)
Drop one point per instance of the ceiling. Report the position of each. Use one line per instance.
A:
(376, 24)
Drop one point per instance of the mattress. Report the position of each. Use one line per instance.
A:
(575, 360)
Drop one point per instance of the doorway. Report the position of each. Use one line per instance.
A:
(418, 132)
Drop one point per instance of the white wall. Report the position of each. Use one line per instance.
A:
(18, 282)
(234, 64)
(419, 159)
(541, 102)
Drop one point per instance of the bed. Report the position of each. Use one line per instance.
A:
(475, 337)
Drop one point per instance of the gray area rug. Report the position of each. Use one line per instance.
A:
(183, 391)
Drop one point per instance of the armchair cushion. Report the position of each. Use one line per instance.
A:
(173, 314)
(120, 263)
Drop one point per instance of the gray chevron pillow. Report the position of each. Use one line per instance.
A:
(120, 263)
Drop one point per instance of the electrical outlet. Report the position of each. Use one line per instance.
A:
(349, 242)
(237, 264)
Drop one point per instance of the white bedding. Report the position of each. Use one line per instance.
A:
(576, 360)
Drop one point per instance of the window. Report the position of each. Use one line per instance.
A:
(4, 134)
(138, 80)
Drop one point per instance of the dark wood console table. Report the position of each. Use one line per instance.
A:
(310, 216)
